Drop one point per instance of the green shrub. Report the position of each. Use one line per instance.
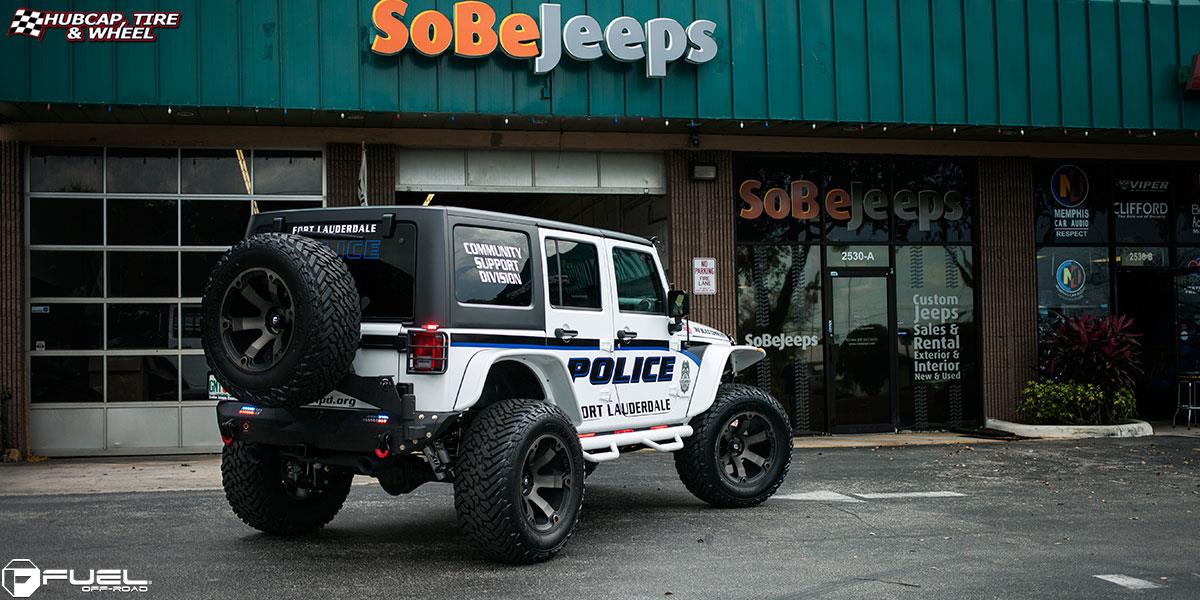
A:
(1065, 403)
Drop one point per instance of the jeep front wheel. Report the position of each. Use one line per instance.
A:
(518, 488)
(740, 450)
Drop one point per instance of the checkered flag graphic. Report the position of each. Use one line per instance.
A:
(27, 22)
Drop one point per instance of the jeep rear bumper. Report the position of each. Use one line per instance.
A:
(395, 426)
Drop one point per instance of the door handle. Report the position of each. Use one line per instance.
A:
(565, 334)
(625, 335)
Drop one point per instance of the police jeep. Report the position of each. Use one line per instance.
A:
(505, 355)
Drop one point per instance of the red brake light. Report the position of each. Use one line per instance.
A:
(430, 327)
(428, 350)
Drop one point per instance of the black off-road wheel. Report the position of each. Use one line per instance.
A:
(281, 320)
(275, 495)
(740, 450)
(518, 488)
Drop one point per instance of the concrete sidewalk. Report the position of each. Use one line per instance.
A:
(203, 472)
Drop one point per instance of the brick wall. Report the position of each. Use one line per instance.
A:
(15, 418)
(702, 226)
(342, 174)
(1008, 282)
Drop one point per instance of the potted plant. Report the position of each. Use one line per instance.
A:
(1088, 372)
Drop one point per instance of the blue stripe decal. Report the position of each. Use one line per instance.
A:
(693, 357)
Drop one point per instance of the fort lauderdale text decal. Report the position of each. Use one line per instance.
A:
(474, 32)
(93, 26)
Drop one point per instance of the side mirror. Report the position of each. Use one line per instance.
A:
(678, 304)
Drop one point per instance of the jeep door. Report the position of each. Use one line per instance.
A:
(578, 325)
(647, 372)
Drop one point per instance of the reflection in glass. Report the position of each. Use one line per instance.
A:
(66, 221)
(66, 379)
(65, 326)
(296, 172)
(142, 171)
(197, 266)
(74, 170)
(856, 190)
(190, 327)
(214, 222)
(66, 274)
(194, 374)
(141, 326)
(1141, 203)
(860, 353)
(779, 309)
(1071, 202)
(143, 378)
(933, 199)
(204, 171)
(135, 274)
(1072, 281)
(142, 222)
(936, 333)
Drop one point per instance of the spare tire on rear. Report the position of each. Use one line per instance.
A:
(281, 320)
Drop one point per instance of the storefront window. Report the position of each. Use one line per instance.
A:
(1071, 203)
(66, 274)
(142, 222)
(215, 172)
(1186, 184)
(778, 199)
(933, 200)
(1072, 281)
(66, 221)
(142, 171)
(779, 310)
(857, 187)
(937, 335)
(1141, 204)
(279, 172)
(74, 170)
(66, 379)
(109, 274)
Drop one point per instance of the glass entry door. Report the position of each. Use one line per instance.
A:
(859, 329)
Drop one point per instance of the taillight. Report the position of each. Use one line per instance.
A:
(428, 351)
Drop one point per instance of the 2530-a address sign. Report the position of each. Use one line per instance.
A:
(473, 31)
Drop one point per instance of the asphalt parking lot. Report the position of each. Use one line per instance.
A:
(1079, 519)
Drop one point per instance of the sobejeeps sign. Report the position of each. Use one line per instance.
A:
(473, 31)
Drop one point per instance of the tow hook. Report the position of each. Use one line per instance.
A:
(227, 430)
(383, 445)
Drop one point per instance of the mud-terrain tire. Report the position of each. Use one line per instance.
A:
(281, 320)
(708, 462)
(257, 490)
(498, 471)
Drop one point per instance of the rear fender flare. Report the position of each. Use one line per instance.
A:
(716, 361)
(545, 365)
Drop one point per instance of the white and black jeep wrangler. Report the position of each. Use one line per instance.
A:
(506, 355)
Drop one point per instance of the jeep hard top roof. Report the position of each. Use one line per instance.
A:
(372, 213)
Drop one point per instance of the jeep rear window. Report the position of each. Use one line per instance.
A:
(492, 266)
(384, 268)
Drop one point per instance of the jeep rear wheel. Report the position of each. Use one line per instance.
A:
(280, 496)
(740, 450)
(518, 487)
(281, 320)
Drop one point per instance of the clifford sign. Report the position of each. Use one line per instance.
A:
(474, 30)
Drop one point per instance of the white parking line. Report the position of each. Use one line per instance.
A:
(1132, 583)
(822, 495)
(886, 495)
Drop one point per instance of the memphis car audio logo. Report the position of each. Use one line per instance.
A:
(1070, 278)
(21, 578)
(476, 31)
(93, 26)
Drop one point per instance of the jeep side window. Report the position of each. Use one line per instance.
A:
(492, 266)
(638, 286)
(573, 271)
